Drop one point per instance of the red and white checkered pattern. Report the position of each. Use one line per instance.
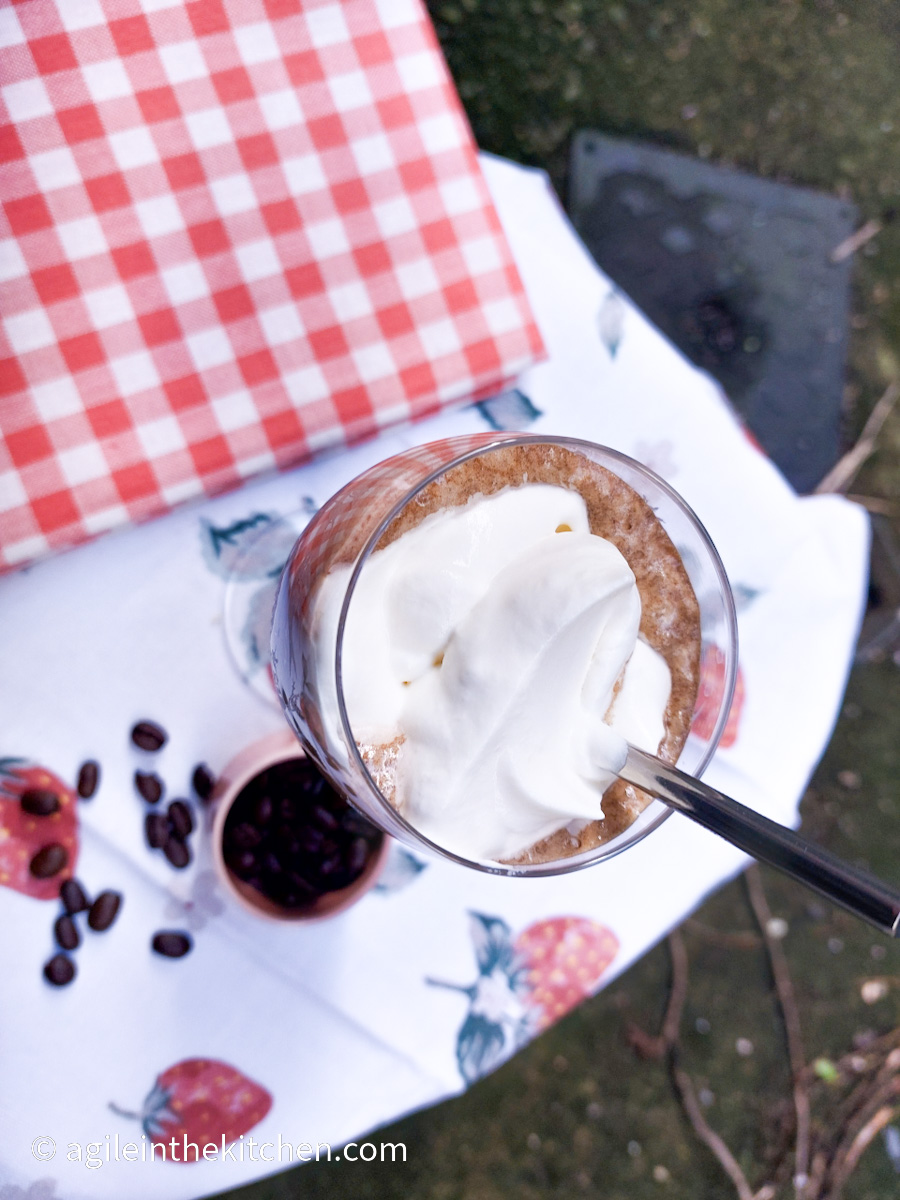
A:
(232, 232)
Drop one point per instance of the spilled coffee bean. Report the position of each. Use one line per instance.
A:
(180, 819)
(39, 802)
(150, 786)
(147, 735)
(88, 778)
(49, 861)
(156, 827)
(104, 911)
(171, 944)
(66, 932)
(203, 781)
(177, 852)
(290, 836)
(60, 970)
(73, 897)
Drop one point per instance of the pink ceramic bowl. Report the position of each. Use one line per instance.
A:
(251, 761)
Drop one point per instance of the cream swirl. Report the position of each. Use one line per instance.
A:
(498, 641)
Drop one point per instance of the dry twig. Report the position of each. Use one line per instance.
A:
(873, 504)
(871, 1128)
(787, 1001)
(845, 469)
(666, 1043)
(855, 241)
(647, 1045)
(877, 1114)
(819, 1165)
(735, 939)
(708, 1135)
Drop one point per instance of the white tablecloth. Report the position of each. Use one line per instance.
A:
(342, 1026)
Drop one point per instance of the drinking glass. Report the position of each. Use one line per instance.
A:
(306, 649)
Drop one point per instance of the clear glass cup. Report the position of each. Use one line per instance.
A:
(344, 534)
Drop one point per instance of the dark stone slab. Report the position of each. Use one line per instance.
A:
(736, 271)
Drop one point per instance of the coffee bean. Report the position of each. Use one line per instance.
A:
(301, 887)
(73, 897)
(171, 944)
(263, 809)
(60, 970)
(324, 819)
(203, 781)
(150, 786)
(242, 862)
(88, 778)
(177, 852)
(147, 735)
(39, 802)
(308, 784)
(156, 827)
(270, 863)
(355, 823)
(49, 861)
(180, 818)
(244, 836)
(67, 933)
(104, 911)
(330, 866)
(311, 840)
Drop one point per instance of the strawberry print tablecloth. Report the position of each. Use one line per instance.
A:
(323, 1033)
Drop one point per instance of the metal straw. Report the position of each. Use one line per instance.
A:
(860, 893)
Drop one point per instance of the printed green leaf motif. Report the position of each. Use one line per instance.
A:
(255, 547)
(480, 1047)
(399, 871)
(611, 322)
(509, 410)
(492, 940)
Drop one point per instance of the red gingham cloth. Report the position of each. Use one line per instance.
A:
(232, 232)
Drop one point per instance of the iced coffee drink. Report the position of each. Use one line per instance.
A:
(515, 624)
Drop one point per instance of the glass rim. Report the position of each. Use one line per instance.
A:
(586, 858)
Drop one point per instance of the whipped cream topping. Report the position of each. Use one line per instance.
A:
(498, 642)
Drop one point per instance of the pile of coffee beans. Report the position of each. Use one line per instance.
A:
(169, 831)
(292, 838)
(52, 859)
(101, 913)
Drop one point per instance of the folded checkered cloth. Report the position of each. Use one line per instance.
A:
(232, 233)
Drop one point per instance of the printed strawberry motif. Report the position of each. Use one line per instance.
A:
(22, 835)
(203, 1100)
(563, 959)
(525, 984)
(709, 698)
